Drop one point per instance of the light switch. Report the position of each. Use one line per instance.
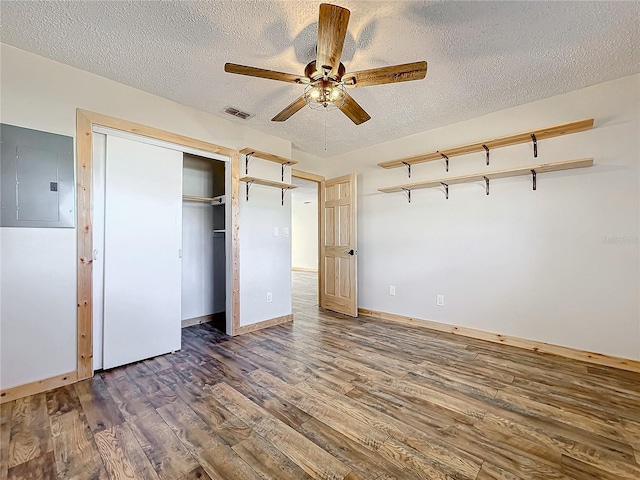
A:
(285, 231)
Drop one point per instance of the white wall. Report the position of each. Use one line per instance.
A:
(559, 265)
(261, 250)
(38, 304)
(304, 228)
(307, 162)
(40, 264)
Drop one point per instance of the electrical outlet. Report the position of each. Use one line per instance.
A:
(440, 300)
(269, 297)
(392, 289)
(275, 231)
(285, 231)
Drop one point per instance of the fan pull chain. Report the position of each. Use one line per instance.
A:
(325, 129)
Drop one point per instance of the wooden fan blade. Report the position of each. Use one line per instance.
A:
(293, 107)
(354, 111)
(393, 74)
(262, 73)
(332, 28)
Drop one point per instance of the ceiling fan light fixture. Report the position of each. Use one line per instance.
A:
(327, 95)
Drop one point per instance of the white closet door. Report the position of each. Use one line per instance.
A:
(142, 266)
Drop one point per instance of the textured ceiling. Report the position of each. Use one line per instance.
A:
(483, 56)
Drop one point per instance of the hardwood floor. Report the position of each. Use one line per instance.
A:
(333, 398)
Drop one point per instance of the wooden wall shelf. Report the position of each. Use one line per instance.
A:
(487, 146)
(267, 183)
(267, 156)
(487, 176)
(252, 152)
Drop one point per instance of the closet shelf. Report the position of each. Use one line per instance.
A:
(195, 198)
(479, 177)
(487, 146)
(267, 183)
(267, 156)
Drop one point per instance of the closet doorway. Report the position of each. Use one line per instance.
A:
(159, 258)
(305, 237)
(203, 242)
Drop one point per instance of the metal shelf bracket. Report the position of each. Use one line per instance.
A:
(535, 145)
(533, 175)
(446, 160)
(486, 149)
(248, 186)
(446, 190)
(408, 165)
(283, 192)
(486, 185)
(408, 192)
(284, 166)
(246, 162)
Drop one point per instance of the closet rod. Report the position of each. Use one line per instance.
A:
(195, 198)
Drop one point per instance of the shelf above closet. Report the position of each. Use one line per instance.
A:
(252, 152)
(488, 145)
(212, 200)
(267, 183)
(487, 176)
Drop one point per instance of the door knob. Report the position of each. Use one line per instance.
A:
(351, 252)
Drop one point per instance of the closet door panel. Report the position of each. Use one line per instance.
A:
(142, 266)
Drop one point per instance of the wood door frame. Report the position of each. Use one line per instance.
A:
(319, 179)
(85, 120)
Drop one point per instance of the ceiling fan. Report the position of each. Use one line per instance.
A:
(325, 77)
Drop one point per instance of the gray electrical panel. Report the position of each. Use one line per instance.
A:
(36, 174)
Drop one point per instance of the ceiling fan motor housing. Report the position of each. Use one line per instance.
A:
(312, 73)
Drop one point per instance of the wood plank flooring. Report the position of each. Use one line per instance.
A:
(331, 397)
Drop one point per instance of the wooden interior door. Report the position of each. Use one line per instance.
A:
(142, 243)
(339, 246)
